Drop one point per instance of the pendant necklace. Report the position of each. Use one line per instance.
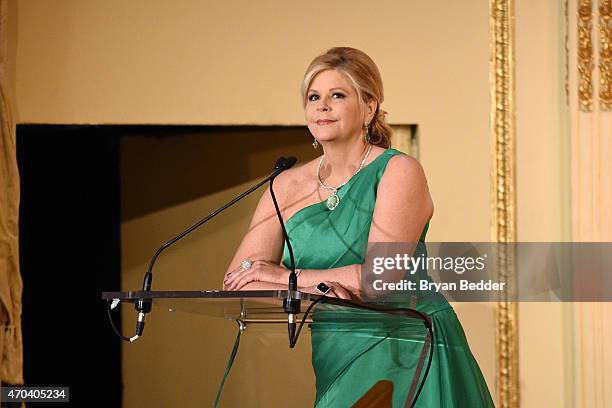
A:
(333, 200)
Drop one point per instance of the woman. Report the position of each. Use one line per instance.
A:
(358, 191)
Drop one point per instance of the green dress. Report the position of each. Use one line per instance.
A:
(354, 349)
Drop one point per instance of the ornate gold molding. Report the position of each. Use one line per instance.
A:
(567, 52)
(605, 55)
(503, 193)
(585, 56)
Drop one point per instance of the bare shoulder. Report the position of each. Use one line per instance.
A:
(296, 187)
(406, 170)
(295, 177)
(404, 181)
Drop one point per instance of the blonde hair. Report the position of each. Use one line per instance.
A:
(363, 73)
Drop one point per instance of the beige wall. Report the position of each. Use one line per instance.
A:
(145, 62)
(543, 182)
(240, 63)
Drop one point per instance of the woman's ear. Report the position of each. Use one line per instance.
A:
(371, 105)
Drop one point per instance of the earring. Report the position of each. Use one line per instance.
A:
(368, 138)
(315, 143)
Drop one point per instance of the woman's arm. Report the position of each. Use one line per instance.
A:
(336, 289)
(403, 207)
(404, 204)
(272, 276)
(263, 239)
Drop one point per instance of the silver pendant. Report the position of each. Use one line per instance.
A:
(333, 201)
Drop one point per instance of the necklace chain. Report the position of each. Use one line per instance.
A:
(332, 188)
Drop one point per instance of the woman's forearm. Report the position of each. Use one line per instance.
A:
(349, 277)
(346, 276)
(266, 275)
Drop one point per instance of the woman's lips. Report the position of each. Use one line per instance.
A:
(324, 121)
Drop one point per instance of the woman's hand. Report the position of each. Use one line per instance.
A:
(259, 271)
(336, 290)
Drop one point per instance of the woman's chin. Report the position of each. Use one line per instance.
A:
(329, 138)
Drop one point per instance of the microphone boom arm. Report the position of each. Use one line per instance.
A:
(143, 306)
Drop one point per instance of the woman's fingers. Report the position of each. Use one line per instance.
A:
(232, 278)
(238, 279)
(235, 281)
(339, 291)
(335, 290)
(239, 283)
(258, 271)
(226, 278)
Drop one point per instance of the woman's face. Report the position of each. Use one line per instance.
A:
(333, 109)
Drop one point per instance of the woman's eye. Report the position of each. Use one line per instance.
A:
(338, 95)
(313, 97)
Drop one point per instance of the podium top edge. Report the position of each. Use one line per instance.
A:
(203, 294)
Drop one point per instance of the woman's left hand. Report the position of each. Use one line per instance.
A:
(335, 290)
(259, 271)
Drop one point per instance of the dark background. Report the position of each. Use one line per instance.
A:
(69, 253)
(73, 201)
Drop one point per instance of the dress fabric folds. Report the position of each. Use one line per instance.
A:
(353, 349)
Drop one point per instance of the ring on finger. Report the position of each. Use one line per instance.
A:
(246, 264)
(323, 288)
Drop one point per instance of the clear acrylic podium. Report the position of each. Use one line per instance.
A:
(255, 306)
(249, 306)
(266, 306)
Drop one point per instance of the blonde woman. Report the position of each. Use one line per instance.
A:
(358, 192)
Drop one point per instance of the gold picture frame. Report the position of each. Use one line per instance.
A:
(503, 199)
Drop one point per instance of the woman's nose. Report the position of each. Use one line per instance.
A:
(323, 106)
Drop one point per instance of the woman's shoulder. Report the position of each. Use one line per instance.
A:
(297, 178)
(404, 180)
(299, 173)
(404, 167)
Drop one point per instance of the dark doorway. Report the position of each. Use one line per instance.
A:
(70, 252)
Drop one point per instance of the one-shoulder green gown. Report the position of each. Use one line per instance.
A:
(351, 354)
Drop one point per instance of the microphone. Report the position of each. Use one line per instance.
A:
(291, 305)
(279, 163)
(289, 162)
(143, 306)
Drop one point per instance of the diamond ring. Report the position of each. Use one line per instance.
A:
(246, 264)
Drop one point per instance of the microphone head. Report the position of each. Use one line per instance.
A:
(280, 163)
(289, 162)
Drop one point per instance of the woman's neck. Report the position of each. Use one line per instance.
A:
(341, 161)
